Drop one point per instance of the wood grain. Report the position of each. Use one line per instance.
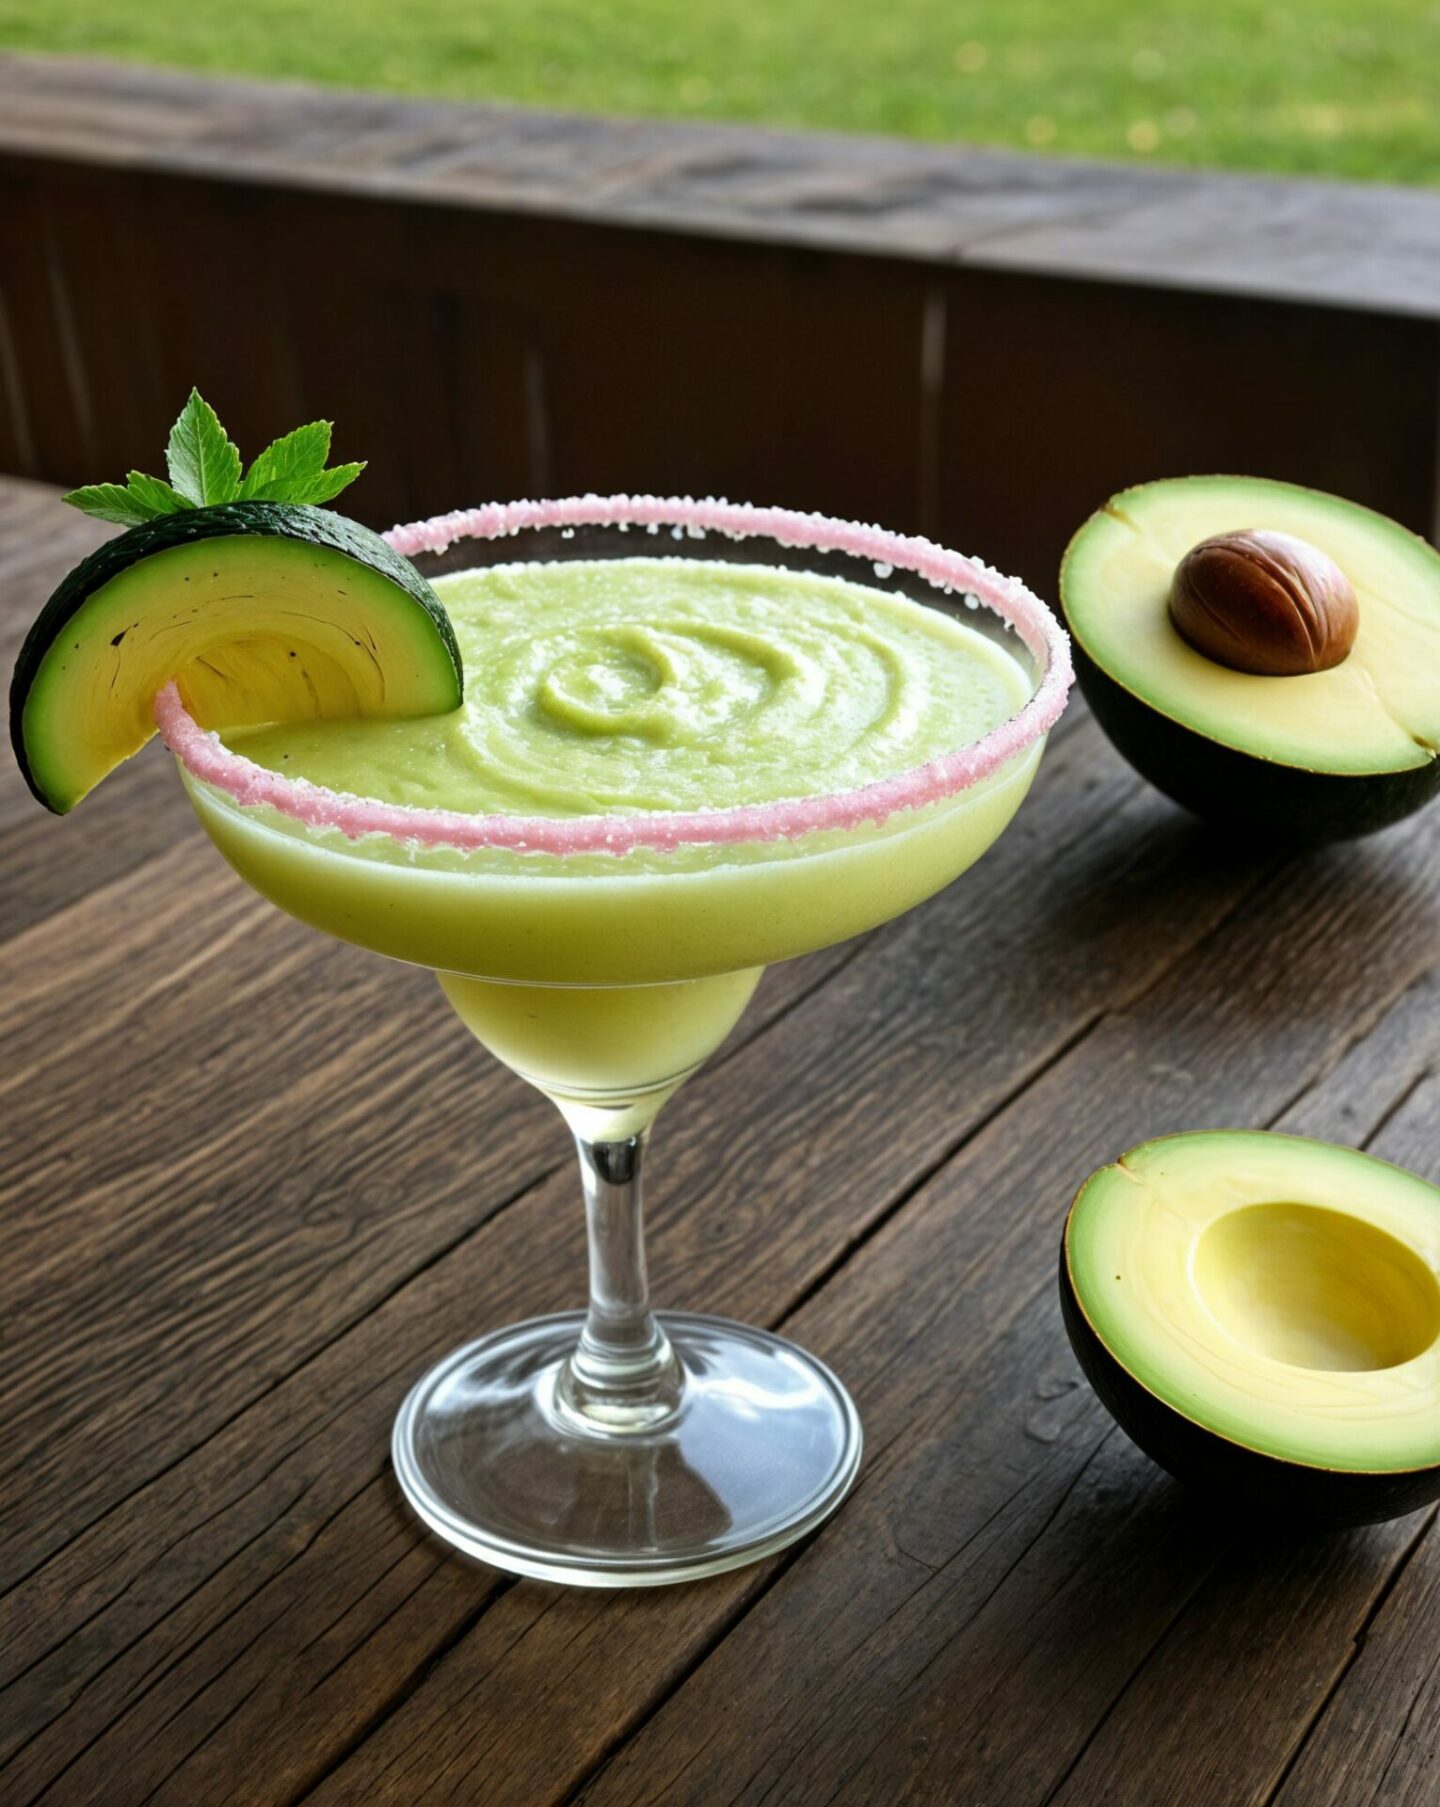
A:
(1347, 245)
(509, 300)
(231, 1047)
(1142, 373)
(726, 1232)
(255, 1181)
(1020, 1560)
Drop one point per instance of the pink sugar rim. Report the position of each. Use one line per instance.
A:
(206, 757)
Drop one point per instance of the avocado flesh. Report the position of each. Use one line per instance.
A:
(1279, 1293)
(1377, 711)
(261, 612)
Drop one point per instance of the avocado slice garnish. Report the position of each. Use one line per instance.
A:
(260, 609)
(1262, 1314)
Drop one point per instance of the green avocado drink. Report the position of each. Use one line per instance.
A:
(640, 749)
(641, 685)
(665, 773)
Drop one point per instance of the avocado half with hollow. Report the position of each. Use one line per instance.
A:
(261, 612)
(1261, 1313)
(1305, 758)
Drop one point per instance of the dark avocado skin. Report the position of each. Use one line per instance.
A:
(1235, 790)
(226, 520)
(1244, 1480)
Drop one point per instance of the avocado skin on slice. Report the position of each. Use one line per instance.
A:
(1250, 796)
(300, 523)
(1243, 1480)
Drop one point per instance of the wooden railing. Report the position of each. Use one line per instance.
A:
(492, 301)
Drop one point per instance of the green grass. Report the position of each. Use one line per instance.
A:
(1332, 87)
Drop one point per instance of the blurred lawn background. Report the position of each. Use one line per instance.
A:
(1324, 87)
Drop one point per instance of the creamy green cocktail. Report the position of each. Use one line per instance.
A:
(665, 773)
(597, 794)
(617, 686)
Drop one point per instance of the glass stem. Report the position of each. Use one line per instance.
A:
(623, 1374)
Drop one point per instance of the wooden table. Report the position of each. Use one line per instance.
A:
(258, 1180)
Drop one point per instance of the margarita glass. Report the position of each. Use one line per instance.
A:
(603, 957)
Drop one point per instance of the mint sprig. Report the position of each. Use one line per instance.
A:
(205, 469)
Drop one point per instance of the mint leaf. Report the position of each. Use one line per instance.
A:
(155, 494)
(288, 464)
(112, 502)
(293, 469)
(204, 464)
(205, 470)
(325, 484)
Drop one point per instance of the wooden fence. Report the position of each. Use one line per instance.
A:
(493, 301)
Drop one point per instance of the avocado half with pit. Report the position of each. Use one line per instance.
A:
(260, 611)
(1303, 758)
(1261, 1313)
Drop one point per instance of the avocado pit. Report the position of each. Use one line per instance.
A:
(1278, 678)
(1270, 604)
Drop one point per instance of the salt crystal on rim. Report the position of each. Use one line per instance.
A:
(206, 757)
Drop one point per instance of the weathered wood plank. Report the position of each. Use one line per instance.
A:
(108, 232)
(239, 1048)
(1139, 374)
(746, 1251)
(771, 321)
(654, 1663)
(224, 1566)
(1344, 245)
(1376, 1740)
(693, 366)
(1280, 1618)
(225, 334)
(44, 381)
(51, 863)
(1009, 1561)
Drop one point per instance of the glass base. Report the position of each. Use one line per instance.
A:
(763, 1446)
